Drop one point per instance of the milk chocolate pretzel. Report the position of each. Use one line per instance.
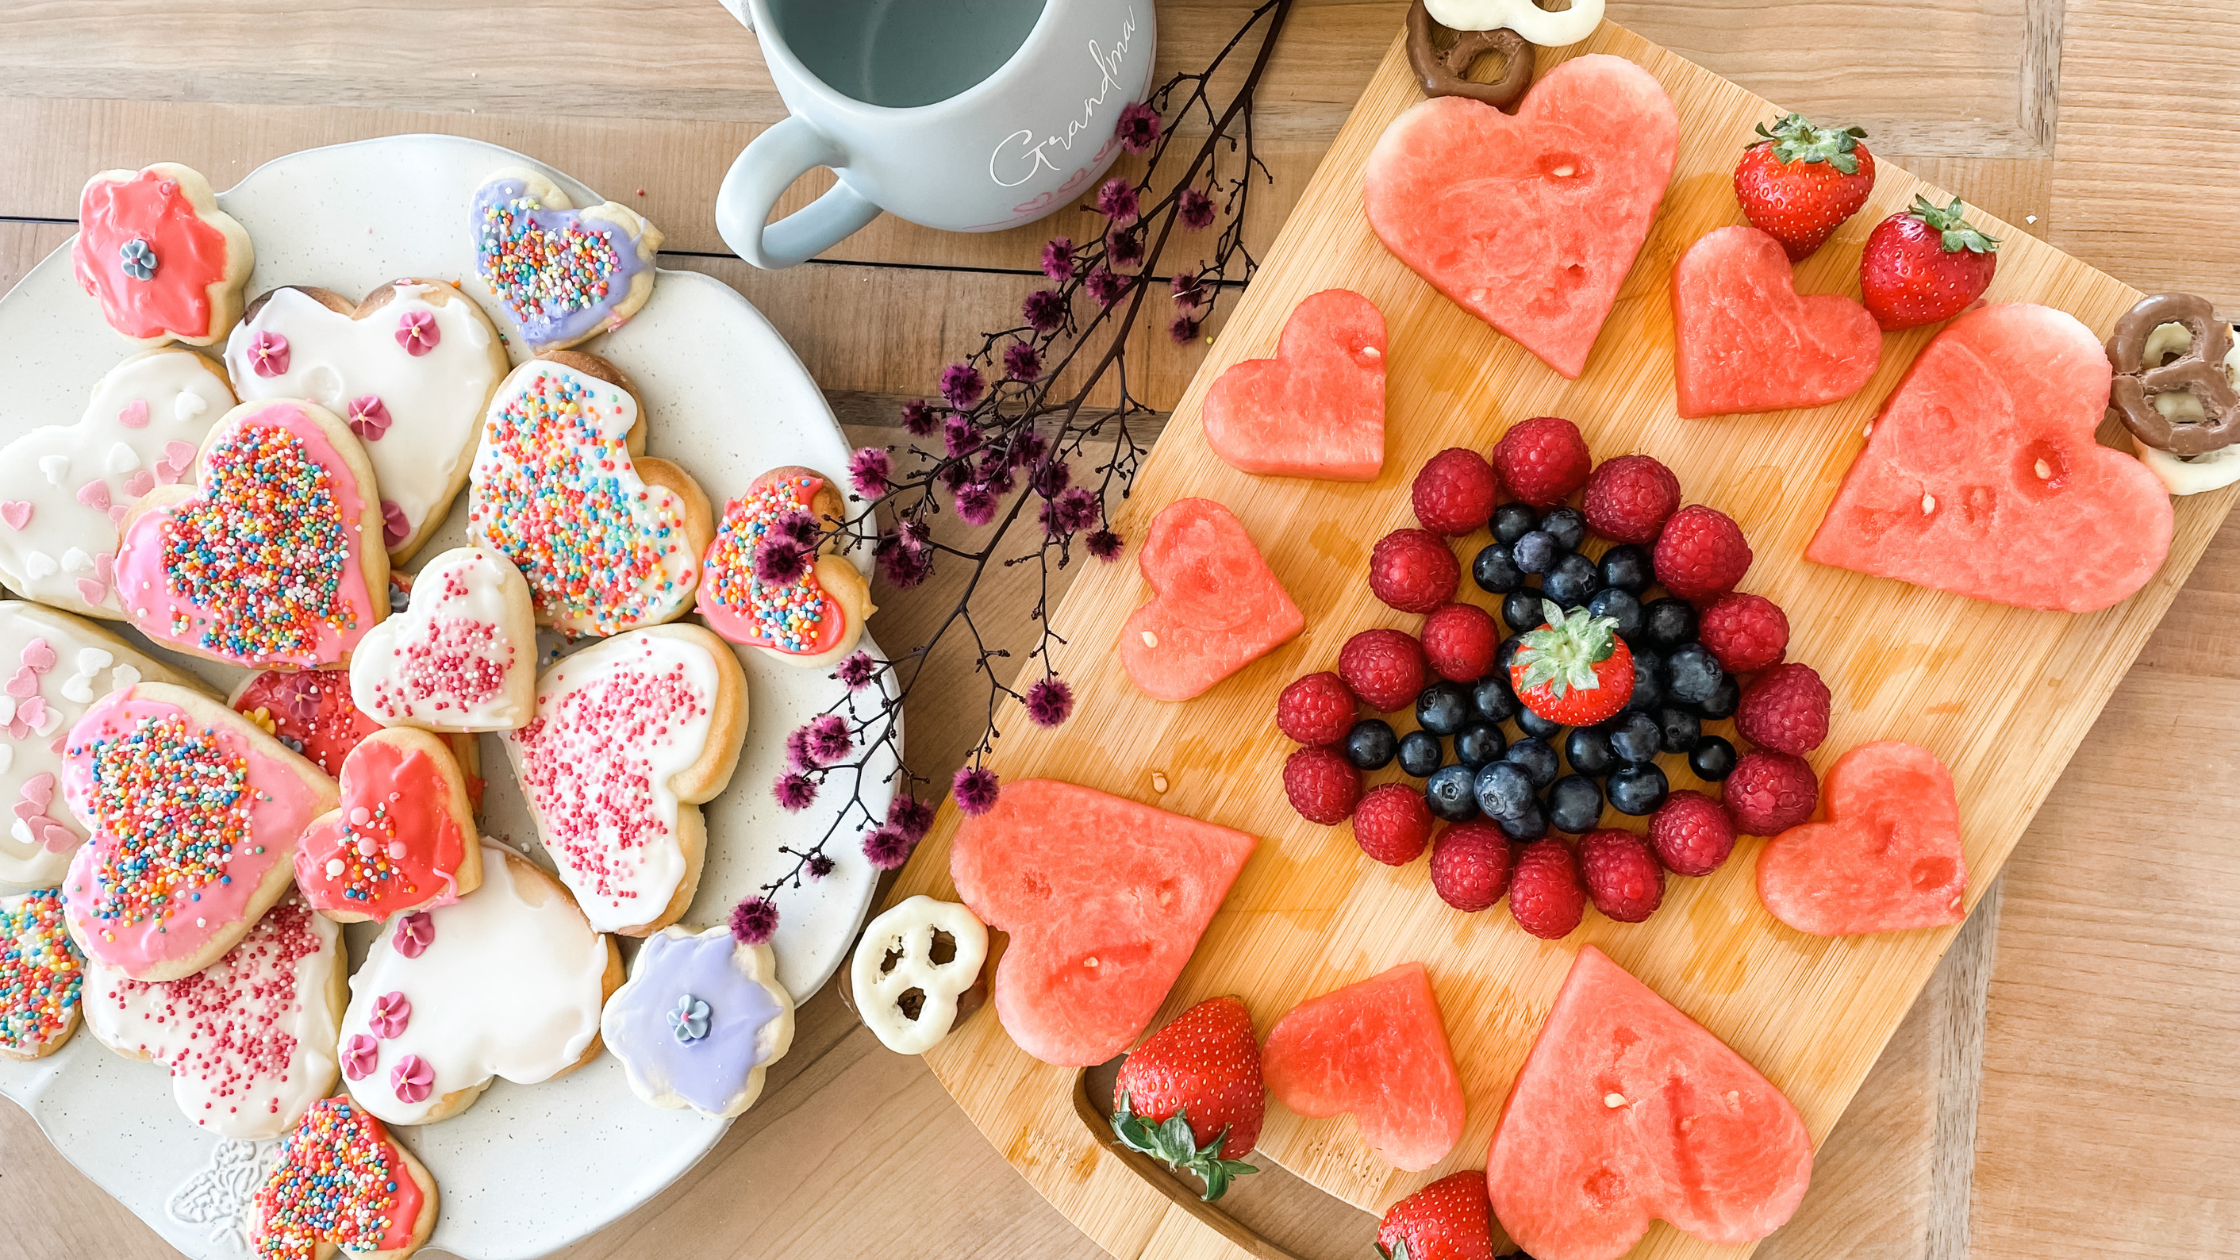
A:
(2200, 371)
(1447, 72)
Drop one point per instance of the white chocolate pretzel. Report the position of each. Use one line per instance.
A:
(1549, 30)
(905, 934)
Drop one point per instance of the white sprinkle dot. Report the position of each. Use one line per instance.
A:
(334, 868)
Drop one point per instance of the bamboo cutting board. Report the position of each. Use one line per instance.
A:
(2002, 695)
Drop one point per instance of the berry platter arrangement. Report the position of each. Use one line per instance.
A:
(1563, 647)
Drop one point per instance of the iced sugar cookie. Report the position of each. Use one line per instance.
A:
(565, 275)
(163, 260)
(608, 539)
(41, 972)
(900, 955)
(506, 982)
(813, 620)
(342, 1183)
(55, 667)
(402, 839)
(461, 657)
(700, 1021)
(409, 369)
(272, 557)
(64, 487)
(630, 735)
(194, 813)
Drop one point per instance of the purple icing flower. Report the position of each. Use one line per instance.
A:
(268, 353)
(360, 1055)
(415, 933)
(918, 417)
(828, 738)
(1044, 310)
(1057, 258)
(867, 471)
(975, 789)
(412, 1079)
(795, 791)
(1116, 200)
(962, 384)
(1138, 129)
(1196, 210)
(857, 671)
(1105, 545)
(1049, 702)
(976, 505)
(886, 848)
(1021, 361)
(417, 332)
(754, 921)
(910, 816)
(391, 1013)
(1105, 286)
(369, 417)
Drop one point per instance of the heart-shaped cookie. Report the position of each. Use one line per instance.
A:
(609, 539)
(1377, 1049)
(410, 370)
(41, 973)
(1627, 1110)
(461, 657)
(1981, 475)
(272, 557)
(1105, 900)
(342, 1183)
(629, 736)
(811, 621)
(1887, 858)
(507, 982)
(1215, 605)
(700, 1021)
(163, 260)
(1530, 221)
(1749, 342)
(402, 839)
(1317, 408)
(565, 275)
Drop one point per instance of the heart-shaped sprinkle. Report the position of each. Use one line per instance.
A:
(54, 468)
(38, 564)
(105, 565)
(16, 512)
(268, 353)
(23, 683)
(76, 560)
(37, 793)
(134, 414)
(123, 676)
(140, 483)
(122, 459)
(39, 715)
(189, 407)
(180, 455)
(95, 495)
(92, 590)
(39, 656)
(417, 332)
(369, 417)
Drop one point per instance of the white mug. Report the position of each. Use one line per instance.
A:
(965, 115)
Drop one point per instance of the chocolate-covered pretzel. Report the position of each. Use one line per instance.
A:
(2200, 371)
(1443, 69)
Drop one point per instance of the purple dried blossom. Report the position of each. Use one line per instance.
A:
(1183, 329)
(960, 435)
(886, 849)
(820, 865)
(1123, 248)
(1049, 702)
(1050, 476)
(999, 480)
(754, 921)
(798, 528)
(857, 670)
(1138, 129)
(1057, 259)
(1105, 286)
(1116, 200)
(962, 384)
(795, 791)
(905, 562)
(1105, 545)
(1044, 310)
(953, 475)
(1196, 210)
(778, 562)
(828, 739)
(976, 505)
(910, 816)
(1028, 447)
(1189, 288)
(975, 789)
(1076, 510)
(919, 417)
(1021, 361)
(798, 756)
(868, 470)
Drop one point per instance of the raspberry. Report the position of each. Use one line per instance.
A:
(1316, 709)
(1745, 632)
(1392, 824)
(1454, 491)
(1701, 553)
(1691, 834)
(1458, 640)
(1383, 667)
(1545, 893)
(1542, 460)
(1770, 792)
(1622, 875)
(1786, 710)
(1470, 865)
(1629, 498)
(1413, 571)
(1322, 784)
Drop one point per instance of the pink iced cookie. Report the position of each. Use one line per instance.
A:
(813, 620)
(1215, 605)
(163, 260)
(1747, 341)
(1317, 408)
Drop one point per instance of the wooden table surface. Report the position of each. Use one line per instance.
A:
(2070, 1080)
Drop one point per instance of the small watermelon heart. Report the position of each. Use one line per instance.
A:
(1749, 342)
(1377, 1049)
(1215, 606)
(1317, 408)
(1887, 858)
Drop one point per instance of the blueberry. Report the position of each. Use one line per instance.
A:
(1531, 723)
(1443, 707)
(1619, 606)
(1638, 790)
(1723, 700)
(1668, 623)
(1491, 697)
(1691, 674)
(1536, 757)
(1371, 745)
(1502, 788)
(1505, 654)
(1575, 804)
(1648, 683)
(1712, 759)
(1589, 752)
(1567, 525)
(1421, 753)
(1495, 570)
(1478, 743)
(1521, 609)
(1527, 824)
(1678, 730)
(1627, 568)
(1448, 793)
(1512, 521)
(1572, 582)
(1538, 551)
(1633, 737)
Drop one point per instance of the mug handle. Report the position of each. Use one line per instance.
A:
(768, 166)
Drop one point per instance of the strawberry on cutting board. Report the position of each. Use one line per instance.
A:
(1925, 265)
(1574, 670)
(1799, 183)
(1191, 1095)
(1450, 1219)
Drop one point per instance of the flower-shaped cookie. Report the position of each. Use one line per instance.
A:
(700, 1020)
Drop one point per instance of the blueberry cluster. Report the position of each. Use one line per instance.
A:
(1520, 782)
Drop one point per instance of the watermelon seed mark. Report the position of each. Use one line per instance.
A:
(1613, 1100)
(1928, 504)
(1159, 782)
(1150, 639)
(2044, 473)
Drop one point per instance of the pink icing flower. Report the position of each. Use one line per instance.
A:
(415, 932)
(391, 1013)
(369, 417)
(360, 1055)
(395, 526)
(268, 353)
(412, 1078)
(417, 332)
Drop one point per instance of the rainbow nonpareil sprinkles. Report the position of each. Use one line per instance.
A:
(339, 1181)
(176, 802)
(41, 972)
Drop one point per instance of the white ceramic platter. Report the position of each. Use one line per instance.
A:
(725, 397)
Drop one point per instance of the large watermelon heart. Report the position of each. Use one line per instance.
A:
(1747, 341)
(1104, 899)
(1530, 222)
(1887, 858)
(1379, 1050)
(1215, 607)
(1317, 408)
(1628, 1110)
(1981, 475)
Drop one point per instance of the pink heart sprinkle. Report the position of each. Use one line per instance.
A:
(32, 711)
(38, 793)
(134, 415)
(179, 455)
(16, 512)
(53, 835)
(139, 483)
(23, 684)
(105, 565)
(59, 741)
(38, 656)
(91, 591)
(117, 513)
(95, 495)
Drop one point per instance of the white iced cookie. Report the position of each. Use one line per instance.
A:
(896, 957)
(1537, 25)
(249, 1040)
(2213, 471)
(461, 657)
(506, 981)
(700, 1021)
(64, 487)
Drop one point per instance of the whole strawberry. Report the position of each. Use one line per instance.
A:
(1623, 875)
(1575, 670)
(1450, 1219)
(1191, 1094)
(1545, 894)
(1925, 264)
(1799, 183)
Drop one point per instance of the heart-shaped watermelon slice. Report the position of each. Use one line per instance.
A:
(1105, 900)
(1317, 408)
(1215, 606)
(1749, 342)
(1981, 475)
(1379, 1050)
(1887, 858)
(1531, 221)
(1628, 1111)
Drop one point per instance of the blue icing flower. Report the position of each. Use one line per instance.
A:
(689, 1018)
(138, 258)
